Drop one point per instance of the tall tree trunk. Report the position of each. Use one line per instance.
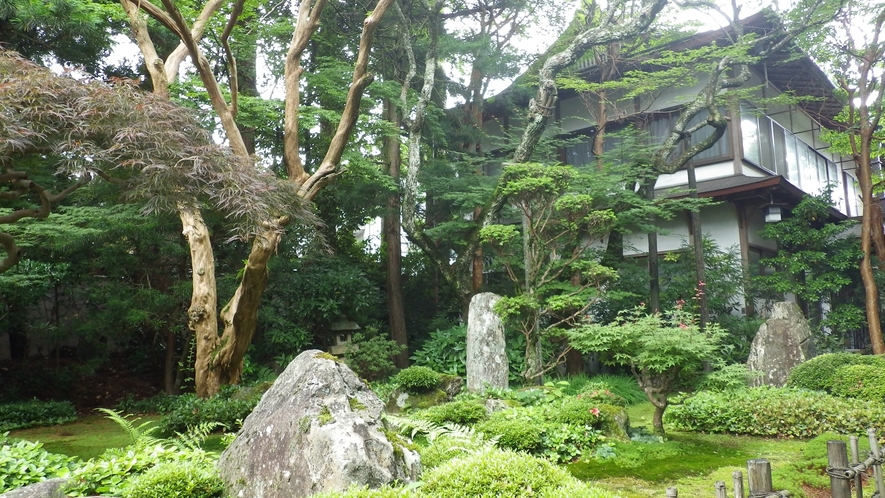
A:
(393, 243)
(202, 316)
(654, 284)
(697, 239)
(871, 290)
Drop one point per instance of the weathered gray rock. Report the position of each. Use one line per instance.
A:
(316, 429)
(486, 359)
(49, 488)
(783, 342)
(401, 400)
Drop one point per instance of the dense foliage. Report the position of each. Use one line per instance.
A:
(775, 412)
(417, 379)
(26, 462)
(819, 373)
(34, 413)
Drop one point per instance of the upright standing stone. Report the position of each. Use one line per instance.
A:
(486, 359)
(782, 342)
(318, 428)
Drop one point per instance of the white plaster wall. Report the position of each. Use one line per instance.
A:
(718, 222)
(755, 222)
(708, 172)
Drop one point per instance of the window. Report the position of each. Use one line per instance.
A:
(659, 127)
(769, 145)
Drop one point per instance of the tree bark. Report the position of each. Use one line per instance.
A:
(393, 243)
(202, 316)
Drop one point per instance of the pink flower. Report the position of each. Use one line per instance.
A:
(683, 326)
(595, 411)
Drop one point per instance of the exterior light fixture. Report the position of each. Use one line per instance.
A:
(773, 213)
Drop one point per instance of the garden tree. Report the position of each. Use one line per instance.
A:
(594, 26)
(68, 32)
(103, 273)
(701, 121)
(854, 58)
(156, 150)
(816, 260)
(665, 352)
(560, 223)
(220, 354)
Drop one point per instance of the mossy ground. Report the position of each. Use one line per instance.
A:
(91, 435)
(689, 461)
(86, 438)
(693, 462)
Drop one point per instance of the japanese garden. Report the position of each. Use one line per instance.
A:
(478, 248)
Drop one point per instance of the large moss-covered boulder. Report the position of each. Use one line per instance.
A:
(783, 342)
(316, 429)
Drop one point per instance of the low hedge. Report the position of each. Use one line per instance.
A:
(775, 412)
(860, 381)
(819, 372)
(35, 413)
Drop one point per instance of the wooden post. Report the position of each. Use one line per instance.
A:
(877, 469)
(672, 493)
(720, 489)
(855, 459)
(759, 476)
(737, 478)
(837, 456)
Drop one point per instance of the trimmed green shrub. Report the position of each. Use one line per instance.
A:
(446, 447)
(417, 379)
(159, 403)
(365, 492)
(26, 462)
(620, 385)
(515, 430)
(775, 412)
(464, 412)
(817, 373)
(503, 474)
(860, 381)
(575, 411)
(35, 413)
(222, 409)
(600, 395)
(176, 480)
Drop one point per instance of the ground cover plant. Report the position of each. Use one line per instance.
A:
(35, 413)
(800, 413)
(552, 427)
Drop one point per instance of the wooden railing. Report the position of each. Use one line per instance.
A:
(844, 475)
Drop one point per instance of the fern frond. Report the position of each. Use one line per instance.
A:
(196, 435)
(142, 435)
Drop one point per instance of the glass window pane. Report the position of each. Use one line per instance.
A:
(767, 159)
(750, 135)
(780, 151)
(792, 159)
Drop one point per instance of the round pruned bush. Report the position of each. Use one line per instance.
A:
(623, 386)
(503, 474)
(464, 412)
(191, 411)
(578, 410)
(775, 412)
(176, 480)
(366, 492)
(860, 381)
(817, 373)
(515, 430)
(35, 413)
(446, 447)
(417, 379)
(599, 394)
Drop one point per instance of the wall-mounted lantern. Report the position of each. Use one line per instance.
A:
(773, 213)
